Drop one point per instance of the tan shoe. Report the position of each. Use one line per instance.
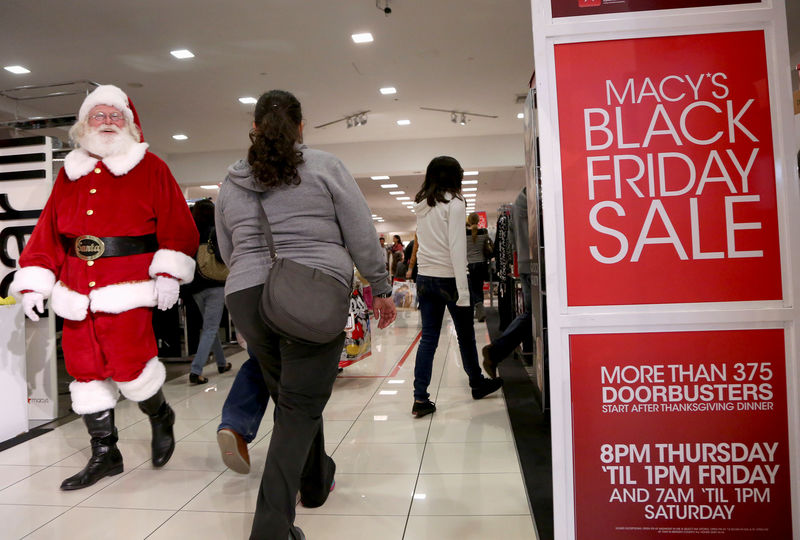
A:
(234, 451)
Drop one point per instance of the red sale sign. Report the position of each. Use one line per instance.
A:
(680, 433)
(568, 8)
(667, 167)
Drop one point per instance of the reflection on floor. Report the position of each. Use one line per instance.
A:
(451, 475)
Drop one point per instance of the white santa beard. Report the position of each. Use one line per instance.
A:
(96, 142)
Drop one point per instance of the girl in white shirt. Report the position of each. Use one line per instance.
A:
(442, 279)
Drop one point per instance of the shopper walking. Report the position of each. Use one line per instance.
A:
(319, 218)
(209, 295)
(479, 246)
(115, 240)
(397, 254)
(242, 413)
(520, 331)
(442, 280)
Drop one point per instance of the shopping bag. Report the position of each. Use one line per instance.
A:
(404, 294)
(358, 336)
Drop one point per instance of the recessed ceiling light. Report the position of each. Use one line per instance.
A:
(408, 203)
(388, 90)
(397, 193)
(520, 115)
(403, 122)
(380, 220)
(210, 187)
(470, 195)
(364, 37)
(379, 177)
(388, 186)
(18, 70)
(182, 54)
(403, 198)
(248, 100)
(374, 215)
(469, 189)
(470, 173)
(180, 137)
(469, 181)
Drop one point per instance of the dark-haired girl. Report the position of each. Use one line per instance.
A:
(442, 279)
(319, 218)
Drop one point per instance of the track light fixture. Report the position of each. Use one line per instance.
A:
(351, 120)
(458, 117)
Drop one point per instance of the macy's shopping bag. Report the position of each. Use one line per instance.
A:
(358, 338)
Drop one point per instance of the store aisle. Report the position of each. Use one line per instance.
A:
(451, 475)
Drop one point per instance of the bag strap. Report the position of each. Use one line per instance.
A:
(273, 254)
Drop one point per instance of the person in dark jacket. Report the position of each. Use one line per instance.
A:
(209, 295)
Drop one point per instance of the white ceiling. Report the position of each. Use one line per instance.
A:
(463, 55)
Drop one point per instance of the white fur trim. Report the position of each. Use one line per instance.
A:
(93, 396)
(123, 296)
(69, 304)
(79, 163)
(147, 383)
(106, 94)
(124, 163)
(176, 264)
(33, 278)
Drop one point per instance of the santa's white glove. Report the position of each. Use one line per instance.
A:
(166, 292)
(31, 300)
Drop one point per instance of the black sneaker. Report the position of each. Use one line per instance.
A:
(486, 387)
(421, 409)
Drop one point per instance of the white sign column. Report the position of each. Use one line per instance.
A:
(26, 179)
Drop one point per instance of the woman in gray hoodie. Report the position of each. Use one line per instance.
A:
(319, 218)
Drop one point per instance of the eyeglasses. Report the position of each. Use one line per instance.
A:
(101, 117)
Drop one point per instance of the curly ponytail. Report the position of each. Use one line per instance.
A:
(272, 155)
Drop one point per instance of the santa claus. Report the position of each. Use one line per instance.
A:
(115, 240)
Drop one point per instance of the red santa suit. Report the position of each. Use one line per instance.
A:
(107, 302)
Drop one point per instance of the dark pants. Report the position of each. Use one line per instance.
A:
(246, 402)
(300, 378)
(436, 294)
(519, 331)
(475, 278)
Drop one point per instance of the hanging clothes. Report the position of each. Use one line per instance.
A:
(504, 257)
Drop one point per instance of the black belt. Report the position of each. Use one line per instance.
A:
(89, 248)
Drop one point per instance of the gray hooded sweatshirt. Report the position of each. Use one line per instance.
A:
(323, 222)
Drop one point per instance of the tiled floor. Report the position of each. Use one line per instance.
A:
(451, 475)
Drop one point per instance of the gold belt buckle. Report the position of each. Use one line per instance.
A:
(89, 248)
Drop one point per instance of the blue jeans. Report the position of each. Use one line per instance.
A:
(247, 401)
(435, 294)
(211, 302)
(519, 331)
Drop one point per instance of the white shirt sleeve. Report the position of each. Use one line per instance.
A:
(457, 240)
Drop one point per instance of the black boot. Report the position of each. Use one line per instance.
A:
(162, 417)
(106, 459)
